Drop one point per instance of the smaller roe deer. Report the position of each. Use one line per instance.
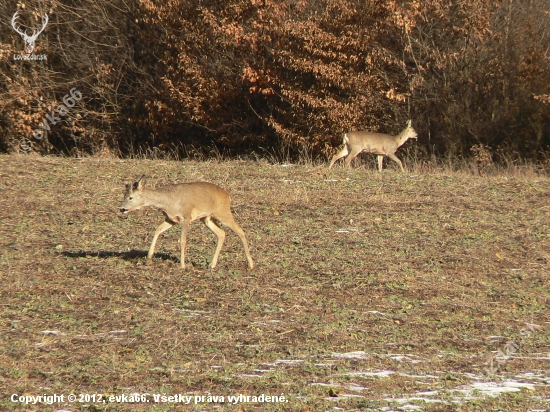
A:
(378, 143)
(184, 203)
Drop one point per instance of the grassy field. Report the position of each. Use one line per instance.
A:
(416, 291)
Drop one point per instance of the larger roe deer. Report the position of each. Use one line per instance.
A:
(377, 143)
(184, 203)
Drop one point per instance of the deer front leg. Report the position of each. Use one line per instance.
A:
(164, 226)
(396, 160)
(380, 159)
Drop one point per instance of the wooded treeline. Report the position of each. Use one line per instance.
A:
(282, 76)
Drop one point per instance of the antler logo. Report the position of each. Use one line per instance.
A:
(29, 48)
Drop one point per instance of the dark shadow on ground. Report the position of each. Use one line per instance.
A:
(130, 255)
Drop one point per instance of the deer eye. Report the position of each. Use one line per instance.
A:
(130, 198)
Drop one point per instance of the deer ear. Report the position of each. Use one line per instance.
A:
(409, 123)
(140, 183)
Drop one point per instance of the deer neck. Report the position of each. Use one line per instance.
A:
(402, 137)
(154, 198)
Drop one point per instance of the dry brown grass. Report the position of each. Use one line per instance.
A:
(428, 268)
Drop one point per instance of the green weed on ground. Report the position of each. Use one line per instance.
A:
(371, 291)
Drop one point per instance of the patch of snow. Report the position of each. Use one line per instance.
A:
(350, 355)
(288, 361)
(418, 376)
(375, 312)
(381, 374)
(427, 393)
(355, 387)
(533, 377)
(494, 337)
(344, 395)
(497, 388)
(248, 375)
(349, 230)
(403, 357)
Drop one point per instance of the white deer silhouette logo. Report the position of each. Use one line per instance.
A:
(29, 39)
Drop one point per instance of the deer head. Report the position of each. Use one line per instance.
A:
(29, 48)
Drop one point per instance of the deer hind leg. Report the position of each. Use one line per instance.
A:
(395, 159)
(164, 226)
(339, 155)
(229, 221)
(352, 155)
(220, 233)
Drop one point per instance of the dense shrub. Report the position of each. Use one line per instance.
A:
(291, 76)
